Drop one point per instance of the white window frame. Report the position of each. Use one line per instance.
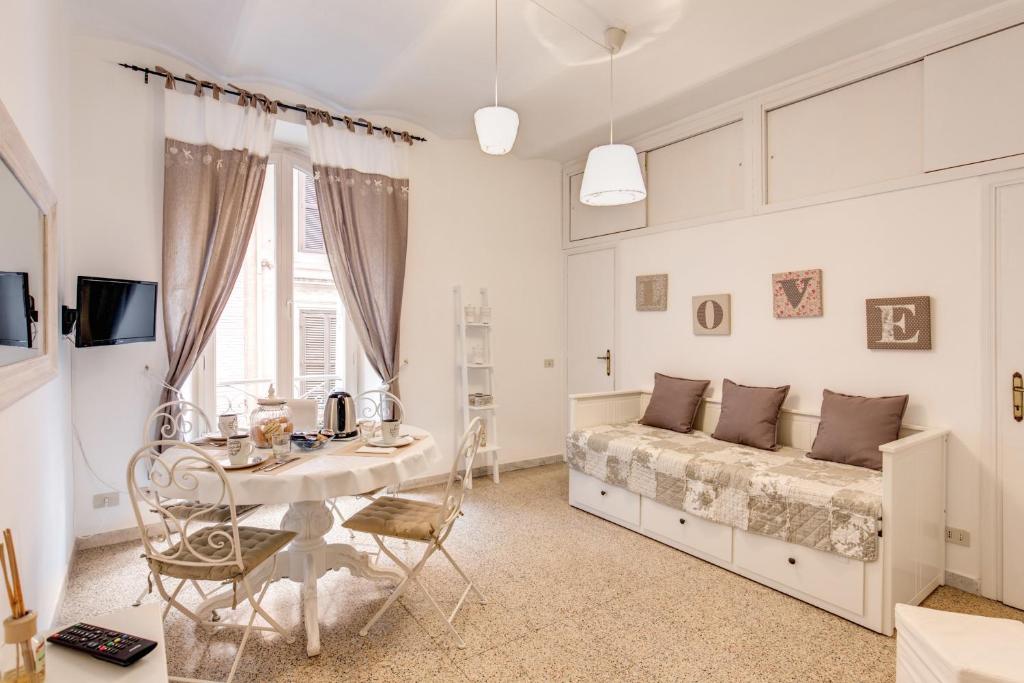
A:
(203, 390)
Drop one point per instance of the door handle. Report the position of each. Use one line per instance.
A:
(1018, 397)
(607, 358)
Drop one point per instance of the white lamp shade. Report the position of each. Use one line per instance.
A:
(612, 177)
(496, 129)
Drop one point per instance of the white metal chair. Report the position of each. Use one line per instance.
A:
(179, 421)
(423, 522)
(226, 554)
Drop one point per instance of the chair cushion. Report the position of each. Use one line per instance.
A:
(674, 403)
(258, 545)
(397, 517)
(218, 514)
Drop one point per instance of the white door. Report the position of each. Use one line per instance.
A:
(590, 300)
(1009, 236)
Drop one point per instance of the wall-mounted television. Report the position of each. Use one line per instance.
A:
(114, 311)
(15, 310)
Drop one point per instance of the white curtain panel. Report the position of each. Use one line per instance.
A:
(336, 146)
(224, 125)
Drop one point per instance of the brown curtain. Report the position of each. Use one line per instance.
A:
(365, 220)
(212, 187)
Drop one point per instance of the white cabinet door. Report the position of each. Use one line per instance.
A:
(1010, 360)
(590, 300)
(859, 134)
(698, 176)
(594, 221)
(974, 101)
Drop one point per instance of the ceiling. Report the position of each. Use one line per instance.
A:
(430, 62)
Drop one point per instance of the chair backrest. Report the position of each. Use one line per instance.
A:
(176, 420)
(378, 405)
(455, 490)
(303, 413)
(160, 475)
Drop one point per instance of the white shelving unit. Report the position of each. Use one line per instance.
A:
(477, 377)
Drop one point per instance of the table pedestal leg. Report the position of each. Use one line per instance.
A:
(311, 521)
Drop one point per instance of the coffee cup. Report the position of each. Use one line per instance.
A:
(227, 424)
(390, 430)
(239, 449)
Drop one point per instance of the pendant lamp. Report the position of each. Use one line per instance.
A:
(612, 175)
(496, 127)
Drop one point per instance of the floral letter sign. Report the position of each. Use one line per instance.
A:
(900, 323)
(797, 294)
(652, 292)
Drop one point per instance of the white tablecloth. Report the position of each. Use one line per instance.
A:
(324, 474)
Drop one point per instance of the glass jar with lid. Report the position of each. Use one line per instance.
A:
(272, 416)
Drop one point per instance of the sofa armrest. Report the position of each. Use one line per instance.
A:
(587, 410)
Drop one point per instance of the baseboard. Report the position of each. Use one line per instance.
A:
(48, 622)
(485, 470)
(967, 584)
(113, 537)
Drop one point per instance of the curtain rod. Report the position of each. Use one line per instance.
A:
(291, 107)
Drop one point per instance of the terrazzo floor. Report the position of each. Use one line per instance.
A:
(571, 597)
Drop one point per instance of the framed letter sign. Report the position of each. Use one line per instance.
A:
(903, 323)
(712, 314)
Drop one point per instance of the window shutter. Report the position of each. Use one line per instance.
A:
(318, 353)
(312, 232)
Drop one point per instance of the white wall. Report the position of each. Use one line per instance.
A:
(474, 220)
(35, 466)
(923, 241)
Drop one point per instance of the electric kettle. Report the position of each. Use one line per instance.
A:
(340, 414)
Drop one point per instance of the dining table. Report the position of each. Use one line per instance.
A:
(307, 486)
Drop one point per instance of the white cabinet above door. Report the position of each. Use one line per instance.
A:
(974, 101)
(594, 221)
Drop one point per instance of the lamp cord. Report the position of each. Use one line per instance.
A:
(495, 53)
(611, 97)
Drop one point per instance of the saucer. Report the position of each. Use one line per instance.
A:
(401, 441)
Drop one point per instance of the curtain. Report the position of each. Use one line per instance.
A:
(215, 159)
(362, 191)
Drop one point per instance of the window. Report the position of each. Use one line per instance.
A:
(284, 323)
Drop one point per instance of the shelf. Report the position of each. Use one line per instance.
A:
(487, 325)
(490, 407)
(482, 366)
(487, 449)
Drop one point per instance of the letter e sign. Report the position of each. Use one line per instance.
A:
(903, 323)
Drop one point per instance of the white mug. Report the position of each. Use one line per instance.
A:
(227, 424)
(239, 449)
(390, 430)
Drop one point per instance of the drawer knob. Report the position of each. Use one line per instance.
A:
(792, 560)
(682, 521)
(604, 493)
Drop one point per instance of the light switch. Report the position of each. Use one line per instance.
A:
(549, 362)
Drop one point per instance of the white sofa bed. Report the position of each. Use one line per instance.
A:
(841, 568)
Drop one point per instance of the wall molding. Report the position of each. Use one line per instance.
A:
(753, 108)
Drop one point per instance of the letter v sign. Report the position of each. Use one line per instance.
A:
(795, 290)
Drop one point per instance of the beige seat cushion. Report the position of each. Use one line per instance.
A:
(217, 514)
(398, 517)
(258, 545)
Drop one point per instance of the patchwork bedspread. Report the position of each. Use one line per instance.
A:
(828, 506)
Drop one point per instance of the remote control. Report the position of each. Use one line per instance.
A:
(110, 646)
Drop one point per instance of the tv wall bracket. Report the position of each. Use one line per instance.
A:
(68, 318)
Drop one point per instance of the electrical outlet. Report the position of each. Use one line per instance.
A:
(549, 362)
(106, 500)
(958, 536)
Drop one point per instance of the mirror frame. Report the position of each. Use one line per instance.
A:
(21, 378)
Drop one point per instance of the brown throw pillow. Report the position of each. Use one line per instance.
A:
(750, 415)
(853, 427)
(674, 403)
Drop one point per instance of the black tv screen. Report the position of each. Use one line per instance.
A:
(115, 311)
(15, 310)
